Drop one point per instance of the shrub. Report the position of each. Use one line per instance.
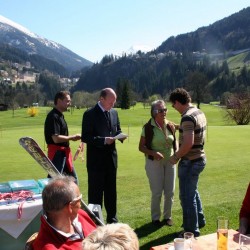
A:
(33, 111)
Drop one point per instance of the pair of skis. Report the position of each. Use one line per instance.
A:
(37, 153)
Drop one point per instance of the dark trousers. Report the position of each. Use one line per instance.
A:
(59, 162)
(102, 183)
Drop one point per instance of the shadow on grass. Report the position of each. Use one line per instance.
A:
(147, 229)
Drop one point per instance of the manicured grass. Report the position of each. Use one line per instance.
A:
(222, 184)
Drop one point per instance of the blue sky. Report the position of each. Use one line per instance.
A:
(94, 28)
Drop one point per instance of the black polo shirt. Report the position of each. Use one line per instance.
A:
(55, 125)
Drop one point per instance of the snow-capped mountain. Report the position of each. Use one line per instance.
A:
(21, 38)
(139, 47)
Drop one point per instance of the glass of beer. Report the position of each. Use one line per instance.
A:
(222, 233)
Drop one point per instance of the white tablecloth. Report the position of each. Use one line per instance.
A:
(9, 221)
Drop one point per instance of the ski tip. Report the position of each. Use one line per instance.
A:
(22, 139)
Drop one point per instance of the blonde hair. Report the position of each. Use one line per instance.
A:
(117, 236)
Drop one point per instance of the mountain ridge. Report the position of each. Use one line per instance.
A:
(21, 38)
(167, 66)
(214, 38)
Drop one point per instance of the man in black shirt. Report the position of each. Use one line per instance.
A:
(57, 136)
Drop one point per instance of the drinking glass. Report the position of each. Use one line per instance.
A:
(244, 242)
(179, 244)
(188, 237)
(222, 233)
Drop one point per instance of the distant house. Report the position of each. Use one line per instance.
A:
(3, 107)
(7, 81)
(27, 77)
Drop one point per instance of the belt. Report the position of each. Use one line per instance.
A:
(150, 157)
(194, 160)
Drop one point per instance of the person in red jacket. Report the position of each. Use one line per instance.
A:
(63, 224)
(244, 216)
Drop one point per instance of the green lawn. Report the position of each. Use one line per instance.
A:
(222, 184)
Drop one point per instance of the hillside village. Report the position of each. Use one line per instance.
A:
(12, 73)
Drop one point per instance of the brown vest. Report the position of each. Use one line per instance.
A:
(149, 133)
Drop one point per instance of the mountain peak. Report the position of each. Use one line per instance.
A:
(142, 47)
(17, 26)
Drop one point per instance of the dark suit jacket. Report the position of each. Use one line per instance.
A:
(94, 130)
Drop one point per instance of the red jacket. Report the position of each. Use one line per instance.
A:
(245, 208)
(49, 239)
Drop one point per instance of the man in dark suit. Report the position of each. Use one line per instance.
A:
(99, 126)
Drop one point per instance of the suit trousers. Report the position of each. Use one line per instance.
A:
(161, 175)
(102, 184)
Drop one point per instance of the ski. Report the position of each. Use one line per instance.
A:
(37, 153)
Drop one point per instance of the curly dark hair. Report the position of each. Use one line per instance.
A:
(180, 95)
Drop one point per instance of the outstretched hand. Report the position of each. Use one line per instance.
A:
(76, 137)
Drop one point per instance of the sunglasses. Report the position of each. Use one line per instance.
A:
(161, 110)
(77, 198)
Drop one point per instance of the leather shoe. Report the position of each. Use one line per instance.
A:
(156, 223)
(202, 225)
(168, 222)
(181, 234)
(112, 220)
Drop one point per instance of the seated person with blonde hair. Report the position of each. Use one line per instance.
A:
(112, 237)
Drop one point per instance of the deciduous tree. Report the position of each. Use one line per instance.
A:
(238, 108)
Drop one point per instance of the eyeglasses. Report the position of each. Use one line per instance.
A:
(162, 110)
(77, 198)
